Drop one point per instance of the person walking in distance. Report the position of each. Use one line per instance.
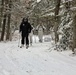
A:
(25, 29)
(40, 29)
(31, 35)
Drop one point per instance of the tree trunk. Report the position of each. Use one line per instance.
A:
(1, 12)
(8, 23)
(74, 26)
(8, 27)
(3, 28)
(74, 33)
(56, 34)
(57, 20)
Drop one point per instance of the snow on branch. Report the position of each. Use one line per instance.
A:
(64, 1)
(50, 14)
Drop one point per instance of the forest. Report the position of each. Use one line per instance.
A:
(60, 15)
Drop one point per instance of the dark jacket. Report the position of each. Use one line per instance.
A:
(25, 28)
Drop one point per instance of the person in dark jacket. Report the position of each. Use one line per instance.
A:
(25, 29)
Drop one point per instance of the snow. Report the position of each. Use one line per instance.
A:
(38, 59)
(50, 14)
(38, 0)
(64, 1)
(49, 11)
(73, 8)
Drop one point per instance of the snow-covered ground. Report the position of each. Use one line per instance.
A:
(38, 59)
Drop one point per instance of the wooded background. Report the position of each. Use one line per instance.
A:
(59, 15)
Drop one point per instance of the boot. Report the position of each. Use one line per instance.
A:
(21, 46)
(27, 46)
(31, 43)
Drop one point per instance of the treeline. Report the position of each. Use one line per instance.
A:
(9, 17)
(5, 17)
(59, 15)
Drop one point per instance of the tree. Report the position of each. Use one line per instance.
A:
(8, 22)
(74, 25)
(3, 28)
(1, 12)
(4, 21)
(57, 20)
(65, 27)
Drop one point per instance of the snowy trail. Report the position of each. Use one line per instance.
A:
(37, 60)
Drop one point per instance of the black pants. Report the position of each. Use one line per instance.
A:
(25, 39)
